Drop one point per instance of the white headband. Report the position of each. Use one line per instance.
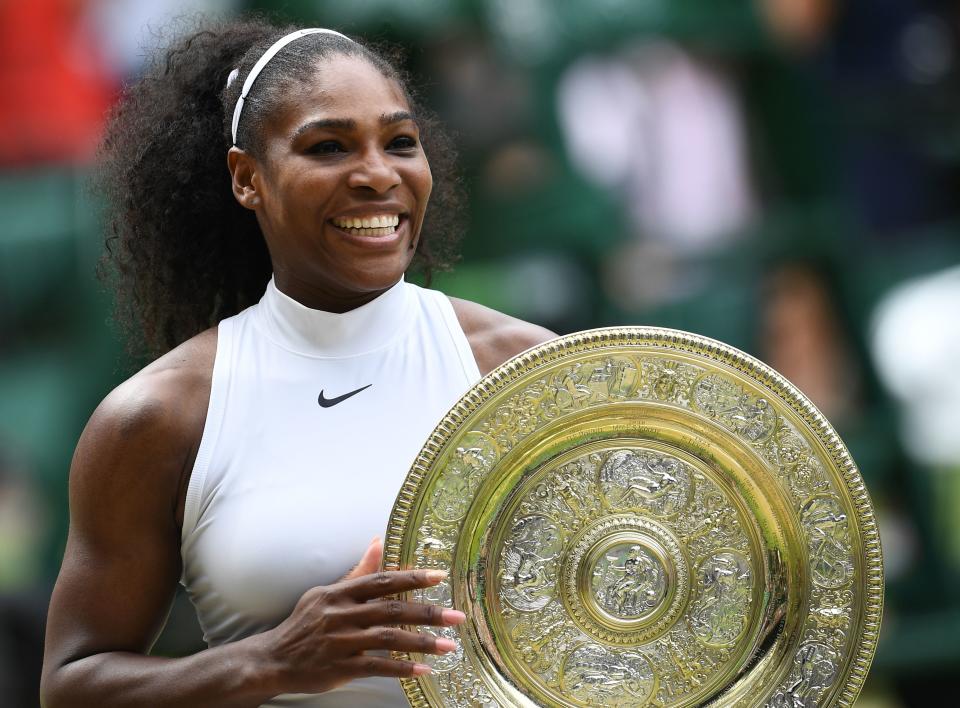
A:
(262, 62)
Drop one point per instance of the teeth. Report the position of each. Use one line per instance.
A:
(385, 231)
(372, 223)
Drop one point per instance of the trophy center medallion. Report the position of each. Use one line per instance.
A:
(628, 580)
(625, 579)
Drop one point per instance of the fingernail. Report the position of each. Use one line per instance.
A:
(453, 617)
(374, 540)
(435, 576)
(444, 644)
(421, 669)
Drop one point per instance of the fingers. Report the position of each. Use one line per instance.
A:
(395, 639)
(392, 612)
(369, 562)
(366, 665)
(390, 582)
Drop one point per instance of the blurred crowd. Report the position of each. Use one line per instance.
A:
(777, 174)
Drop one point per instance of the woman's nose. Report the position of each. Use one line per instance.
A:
(374, 171)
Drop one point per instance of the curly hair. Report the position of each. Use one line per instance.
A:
(180, 252)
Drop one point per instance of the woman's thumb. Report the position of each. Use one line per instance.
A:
(370, 562)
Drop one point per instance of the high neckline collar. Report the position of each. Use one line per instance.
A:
(367, 328)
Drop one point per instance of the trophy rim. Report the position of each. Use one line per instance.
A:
(854, 671)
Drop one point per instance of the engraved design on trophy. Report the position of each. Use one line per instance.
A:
(593, 381)
(624, 578)
(567, 389)
(646, 480)
(444, 662)
(828, 541)
(528, 563)
(629, 581)
(720, 613)
(817, 669)
(596, 676)
(475, 455)
(667, 381)
(650, 570)
(719, 398)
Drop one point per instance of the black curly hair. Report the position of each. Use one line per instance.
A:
(181, 253)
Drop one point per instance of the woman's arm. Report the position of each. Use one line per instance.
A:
(122, 563)
(495, 337)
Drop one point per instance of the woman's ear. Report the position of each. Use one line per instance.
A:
(245, 176)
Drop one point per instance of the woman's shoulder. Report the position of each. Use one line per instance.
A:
(169, 386)
(495, 337)
(151, 421)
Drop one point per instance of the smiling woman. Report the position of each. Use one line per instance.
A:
(181, 253)
(347, 148)
(268, 189)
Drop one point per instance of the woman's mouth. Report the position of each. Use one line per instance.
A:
(372, 225)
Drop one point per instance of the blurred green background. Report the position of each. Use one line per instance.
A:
(781, 175)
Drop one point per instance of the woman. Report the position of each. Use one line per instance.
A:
(254, 461)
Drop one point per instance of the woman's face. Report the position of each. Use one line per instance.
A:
(342, 152)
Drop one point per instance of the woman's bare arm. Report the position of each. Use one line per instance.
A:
(495, 337)
(122, 563)
(122, 559)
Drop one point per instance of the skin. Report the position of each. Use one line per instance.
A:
(132, 465)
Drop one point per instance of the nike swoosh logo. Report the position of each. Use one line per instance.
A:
(327, 402)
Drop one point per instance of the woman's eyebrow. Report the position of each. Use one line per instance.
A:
(347, 124)
(396, 117)
(335, 123)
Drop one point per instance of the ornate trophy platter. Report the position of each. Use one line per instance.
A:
(641, 517)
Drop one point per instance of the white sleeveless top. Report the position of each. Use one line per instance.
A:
(287, 493)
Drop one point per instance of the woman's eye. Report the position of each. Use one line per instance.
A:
(326, 147)
(403, 142)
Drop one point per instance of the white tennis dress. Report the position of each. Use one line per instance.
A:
(314, 420)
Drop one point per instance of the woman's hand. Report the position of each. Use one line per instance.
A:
(324, 641)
